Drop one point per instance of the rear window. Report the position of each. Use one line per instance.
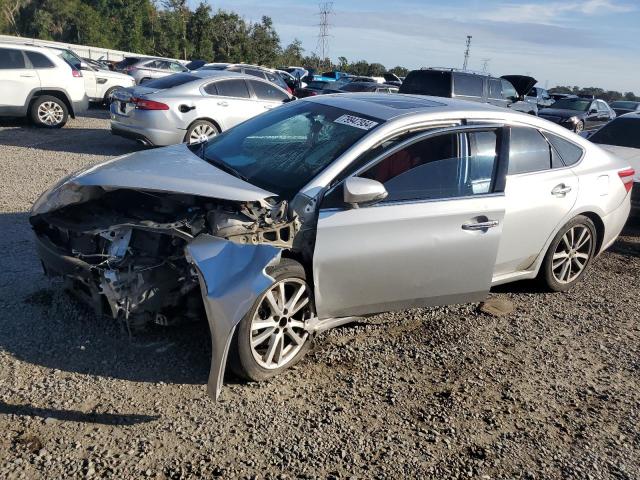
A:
(626, 105)
(127, 62)
(10, 59)
(528, 151)
(468, 85)
(171, 81)
(38, 60)
(622, 132)
(355, 87)
(427, 82)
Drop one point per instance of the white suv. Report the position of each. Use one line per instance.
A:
(40, 83)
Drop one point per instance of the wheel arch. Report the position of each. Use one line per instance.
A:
(58, 93)
(207, 119)
(600, 229)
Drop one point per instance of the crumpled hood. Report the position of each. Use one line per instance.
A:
(562, 113)
(173, 169)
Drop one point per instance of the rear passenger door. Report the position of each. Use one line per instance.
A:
(234, 102)
(267, 95)
(17, 78)
(540, 192)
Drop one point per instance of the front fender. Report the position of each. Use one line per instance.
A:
(232, 276)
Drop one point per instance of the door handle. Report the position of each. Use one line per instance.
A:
(27, 76)
(268, 107)
(560, 190)
(223, 104)
(480, 225)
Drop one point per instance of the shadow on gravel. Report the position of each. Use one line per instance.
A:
(41, 324)
(126, 419)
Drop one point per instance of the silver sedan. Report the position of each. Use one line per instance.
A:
(191, 107)
(328, 209)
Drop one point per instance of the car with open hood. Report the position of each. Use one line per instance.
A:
(329, 209)
(578, 114)
(471, 86)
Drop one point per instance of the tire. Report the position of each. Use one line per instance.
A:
(200, 131)
(579, 127)
(252, 362)
(142, 80)
(108, 95)
(569, 254)
(48, 112)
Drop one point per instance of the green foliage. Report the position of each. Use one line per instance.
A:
(608, 96)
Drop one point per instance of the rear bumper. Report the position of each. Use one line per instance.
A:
(614, 223)
(142, 129)
(80, 106)
(635, 200)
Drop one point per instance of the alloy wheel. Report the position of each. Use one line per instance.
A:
(579, 127)
(277, 327)
(50, 113)
(572, 254)
(202, 133)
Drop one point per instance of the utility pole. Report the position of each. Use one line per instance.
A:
(466, 53)
(322, 48)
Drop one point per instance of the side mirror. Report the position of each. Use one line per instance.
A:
(84, 66)
(291, 99)
(593, 111)
(363, 191)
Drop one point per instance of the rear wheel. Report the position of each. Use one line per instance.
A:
(569, 254)
(49, 112)
(200, 131)
(271, 337)
(108, 96)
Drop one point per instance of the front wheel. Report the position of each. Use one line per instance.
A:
(271, 337)
(579, 127)
(571, 250)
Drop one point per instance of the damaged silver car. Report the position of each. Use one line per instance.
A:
(326, 209)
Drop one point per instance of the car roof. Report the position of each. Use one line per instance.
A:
(635, 115)
(218, 74)
(387, 106)
(30, 47)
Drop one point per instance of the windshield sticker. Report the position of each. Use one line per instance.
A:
(353, 121)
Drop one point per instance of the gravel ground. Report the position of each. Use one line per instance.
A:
(551, 390)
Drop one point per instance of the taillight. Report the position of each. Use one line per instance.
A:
(142, 104)
(76, 73)
(312, 93)
(627, 178)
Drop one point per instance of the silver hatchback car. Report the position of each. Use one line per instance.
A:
(327, 209)
(191, 107)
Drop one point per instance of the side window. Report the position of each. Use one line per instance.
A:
(233, 88)
(152, 64)
(468, 85)
(235, 69)
(569, 152)
(528, 151)
(495, 88)
(11, 59)
(254, 72)
(176, 67)
(267, 91)
(38, 60)
(437, 168)
(508, 90)
(211, 89)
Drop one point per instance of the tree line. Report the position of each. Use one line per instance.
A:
(170, 28)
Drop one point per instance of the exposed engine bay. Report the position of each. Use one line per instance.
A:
(124, 251)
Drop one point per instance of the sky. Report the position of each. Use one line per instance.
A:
(559, 42)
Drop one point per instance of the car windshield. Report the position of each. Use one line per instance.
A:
(577, 104)
(625, 105)
(171, 81)
(282, 150)
(622, 132)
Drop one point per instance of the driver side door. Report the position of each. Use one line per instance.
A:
(432, 241)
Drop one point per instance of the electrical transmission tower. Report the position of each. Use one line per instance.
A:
(466, 53)
(322, 48)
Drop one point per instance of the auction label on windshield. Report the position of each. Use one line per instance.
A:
(357, 122)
